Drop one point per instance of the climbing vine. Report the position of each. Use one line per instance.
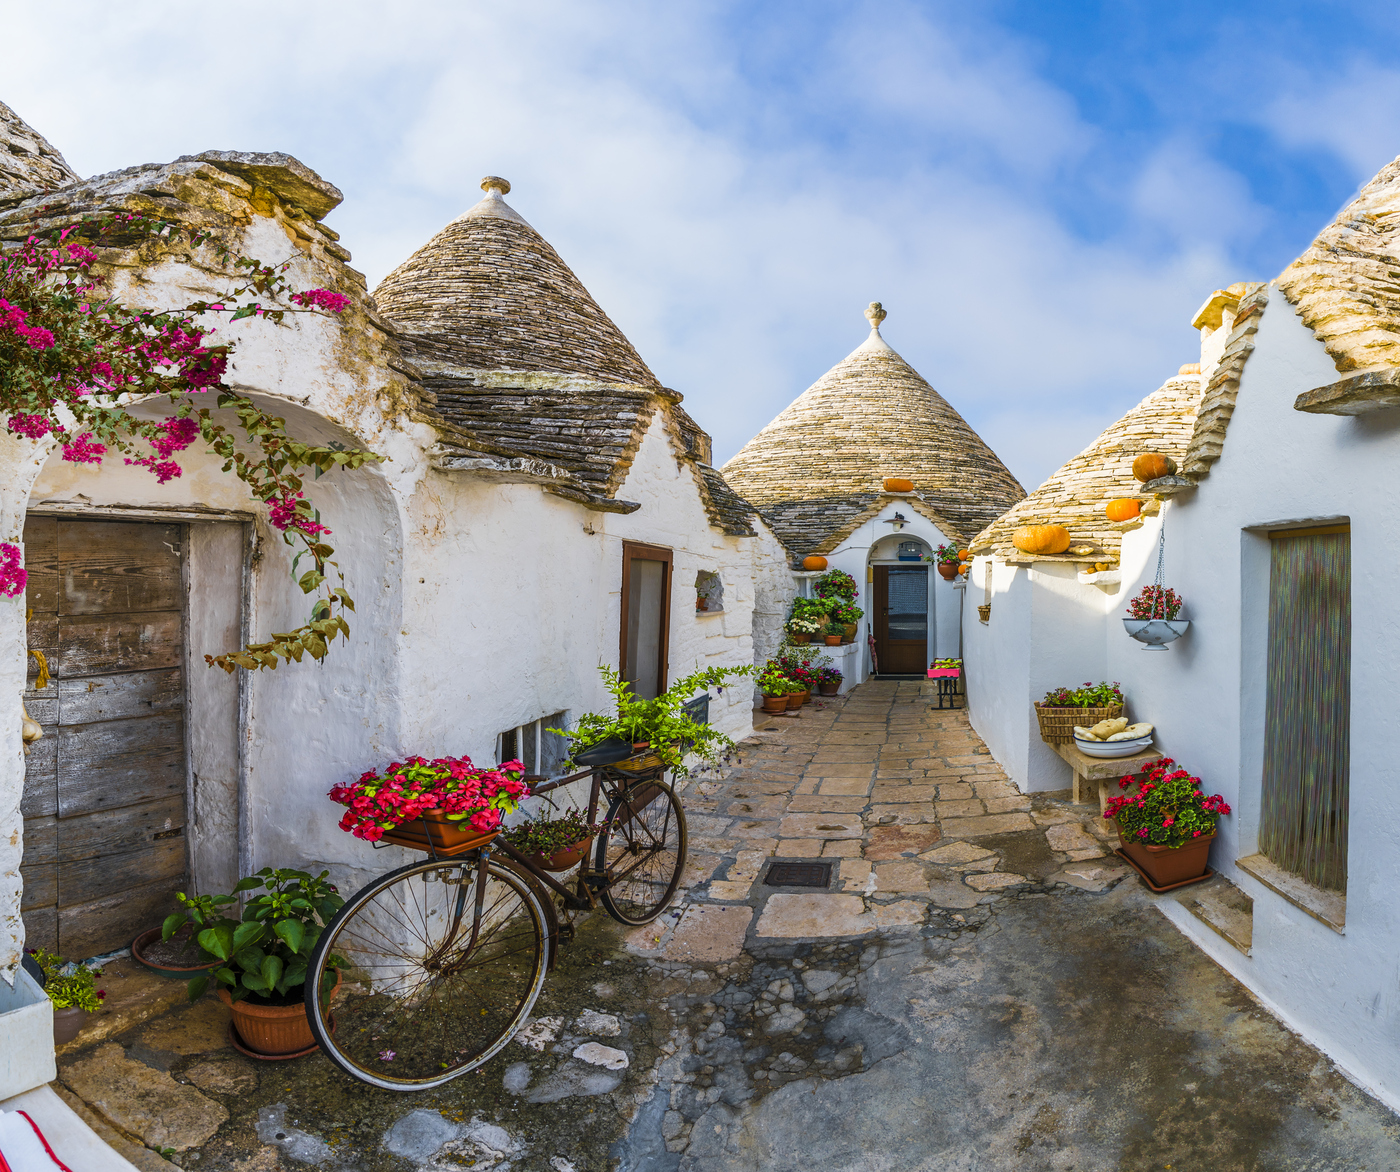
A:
(73, 359)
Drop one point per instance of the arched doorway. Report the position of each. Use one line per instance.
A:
(902, 606)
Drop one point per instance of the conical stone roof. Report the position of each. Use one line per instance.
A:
(816, 471)
(489, 294)
(28, 161)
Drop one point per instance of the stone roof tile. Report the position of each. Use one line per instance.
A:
(28, 161)
(816, 471)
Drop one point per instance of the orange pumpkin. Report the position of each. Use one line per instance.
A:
(1150, 466)
(1041, 539)
(814, 563)
(1123, 509)
(896, 484)
(963, 555)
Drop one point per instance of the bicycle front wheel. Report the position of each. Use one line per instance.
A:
(431, 989)
(641, 848)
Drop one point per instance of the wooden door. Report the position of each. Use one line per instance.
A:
(646, 617)
(901, 619)
(104, 793)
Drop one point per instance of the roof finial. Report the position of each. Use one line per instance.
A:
(876, 313)
(495, 183)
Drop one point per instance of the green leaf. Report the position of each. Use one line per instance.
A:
(291, 931)
(246, 934)
(272, 969)
(250, 960)
(217, 940)
(172, 924)
(248, 884)
(197, 987)
(257, 983)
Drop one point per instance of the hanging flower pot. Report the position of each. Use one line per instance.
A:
(1155, 634)
(948, 570)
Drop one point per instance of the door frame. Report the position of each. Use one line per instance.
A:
(647, 553)
(188, 517)
(879, 621)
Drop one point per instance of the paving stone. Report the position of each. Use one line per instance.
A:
(994, 880)
(990, 863)
(727, 892)
(146, 1103)
(953, 894)
(996, 789)
(134, 995)
(821, 826)
(799, 848)
(1071, 836)
(957, 852)
(902, 794)
(889, 842)
(223, 1076)
(1007, 805)
(751, 830)
(828, 804)
(832, 769)
(854, 874)
(954, 791)
(1094, 877)
(709, 933)
(596, 1054)
(849, 786)
(990, 824)
(746, 865)
(1086, 853)
(193, 1029)
(901, 878)
(971, 808)
(902, 815)
(1052, 817)
(907, 913)
(842, 848)
(820, 915)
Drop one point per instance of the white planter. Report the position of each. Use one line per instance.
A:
(1156, 633)
(26, 1027)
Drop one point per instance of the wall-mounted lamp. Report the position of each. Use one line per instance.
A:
(897, 522)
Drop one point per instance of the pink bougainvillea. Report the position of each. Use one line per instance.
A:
(322, 299)
(83, 451)
(291, 513)
(36, 427)
(13, 575)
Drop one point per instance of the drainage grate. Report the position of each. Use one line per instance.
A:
(798, 875)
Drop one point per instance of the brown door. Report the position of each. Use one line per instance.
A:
(901, 619)
(646, 617)
(104, 791)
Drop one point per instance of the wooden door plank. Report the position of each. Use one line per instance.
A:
(97, 644)
(40, 840)
(41, 776)
(41, 564)
(90, 929)
(40, 882)
(120, 763)
(41, 929)
(88, 879)
(118, 567)
(120, 696)
(42, 706)
(117, 831)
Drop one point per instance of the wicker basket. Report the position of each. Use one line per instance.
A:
(1057, 724)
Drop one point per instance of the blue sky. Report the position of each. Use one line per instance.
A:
(1041, 194)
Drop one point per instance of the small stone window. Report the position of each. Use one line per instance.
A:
(541, 751)
(709, 593)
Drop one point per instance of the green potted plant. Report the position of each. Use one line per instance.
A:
(848, 614)
(1166, 824)
(801, 629)
(72, 989)
(553, 844)
(662, 726)
(836, 586)
(817, 610)
(833, 633)
(829, 681)
(947, 559)
(264, 955)
(1063, 708)
(774, 686)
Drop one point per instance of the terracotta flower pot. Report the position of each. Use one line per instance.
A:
(829, 687)
(832, 640)
(775, 703)
(851, 632)
(948, 570)
(799, 638)
(797, 699)
(434, 831)
(150, 939)
(67, 1023)
(1168, 866)
(273, 1031)
(562, 859)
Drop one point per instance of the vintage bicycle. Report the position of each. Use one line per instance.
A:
(441, 961)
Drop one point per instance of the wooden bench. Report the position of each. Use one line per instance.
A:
(1104, 772)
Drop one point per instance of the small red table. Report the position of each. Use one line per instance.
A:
(947, 678)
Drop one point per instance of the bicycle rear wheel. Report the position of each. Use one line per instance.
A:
(642, 849)
(422, 1002)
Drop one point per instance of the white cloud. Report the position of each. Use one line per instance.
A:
(733, 208)
(1352, 113)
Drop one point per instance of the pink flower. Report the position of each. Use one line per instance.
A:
(83, 451)
(13, 577)
(34, 426)
(322, 299)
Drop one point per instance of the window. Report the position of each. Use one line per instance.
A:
(646, 617)
(541, 751)
(1307, 729)
(709, 593)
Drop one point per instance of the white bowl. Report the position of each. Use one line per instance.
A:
(1113, 748)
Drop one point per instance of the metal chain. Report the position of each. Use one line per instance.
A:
(1159, 593)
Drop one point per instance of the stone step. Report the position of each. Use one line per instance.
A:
(1223, 908)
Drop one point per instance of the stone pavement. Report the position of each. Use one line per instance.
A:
(976, 988)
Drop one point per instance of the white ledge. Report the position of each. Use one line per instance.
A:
(1328, 907)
